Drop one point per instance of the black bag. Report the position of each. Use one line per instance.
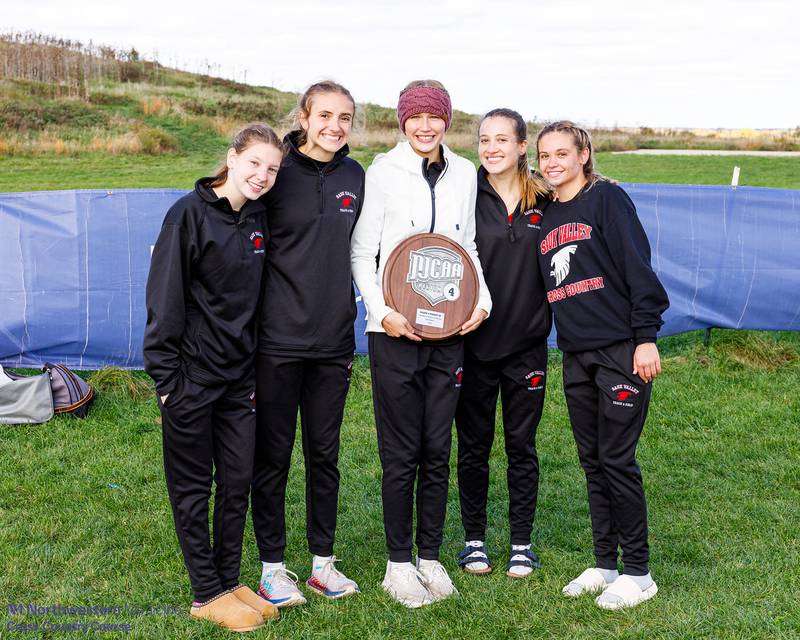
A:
(71, 393)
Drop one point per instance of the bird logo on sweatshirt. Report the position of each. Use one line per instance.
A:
(560, 263)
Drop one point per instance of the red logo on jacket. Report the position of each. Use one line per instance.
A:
(257, 238)
(347, 201)
(534, 216)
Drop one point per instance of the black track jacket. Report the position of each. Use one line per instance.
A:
(309, 306)
(203, 290)
(520, 313)
(595, 261)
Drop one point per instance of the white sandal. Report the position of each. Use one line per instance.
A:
(627, 592)
(590, 581)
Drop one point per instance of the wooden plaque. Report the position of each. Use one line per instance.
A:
(431, 280)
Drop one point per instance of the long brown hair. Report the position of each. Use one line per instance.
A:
(582, 141)
(247, 136)
(531, 185)
(303, 107)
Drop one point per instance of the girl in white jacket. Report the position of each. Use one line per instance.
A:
(419, 186)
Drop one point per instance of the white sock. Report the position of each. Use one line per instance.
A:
(609, 575)
(400, 565)
(476, 565)
(317, 563)
(644, 582)
(519, 570)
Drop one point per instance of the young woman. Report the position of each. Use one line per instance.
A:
(508, 354)
(595, 259)
(198, 348)
(419, 186)
(306, 338)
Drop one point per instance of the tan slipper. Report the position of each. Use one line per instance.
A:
(267, 610)
(227, 611)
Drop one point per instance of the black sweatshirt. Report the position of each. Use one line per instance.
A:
(595, 261)
(309, 305)
(520, 313)
(203, 290)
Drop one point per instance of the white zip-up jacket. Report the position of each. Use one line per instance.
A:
(398, 203)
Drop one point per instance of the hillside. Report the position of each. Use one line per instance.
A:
(65, 97)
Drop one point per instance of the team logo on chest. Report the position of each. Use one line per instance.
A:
(257, 238)
(533, 216)
(435, 274)
(347, 201)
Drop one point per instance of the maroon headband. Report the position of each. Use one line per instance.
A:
(424, 100)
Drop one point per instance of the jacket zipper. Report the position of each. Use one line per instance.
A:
(321, 190)
(237, 221)
(512, 237)
(433, 192)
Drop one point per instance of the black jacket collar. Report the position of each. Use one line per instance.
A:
(296, 156)
(207, 193)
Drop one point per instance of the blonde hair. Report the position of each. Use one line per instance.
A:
(531, 185)
(582, 141)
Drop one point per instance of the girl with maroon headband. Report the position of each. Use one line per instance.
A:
(419, 186)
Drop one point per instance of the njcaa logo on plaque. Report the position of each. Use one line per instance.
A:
(435, 274)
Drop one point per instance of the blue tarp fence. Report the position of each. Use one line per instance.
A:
(73, 266)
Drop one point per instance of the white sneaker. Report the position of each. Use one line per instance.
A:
(405, 584)
(328, 581)
(279, 586)
(436, 579)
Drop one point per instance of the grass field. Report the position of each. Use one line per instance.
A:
(101, 171)
(86, 522)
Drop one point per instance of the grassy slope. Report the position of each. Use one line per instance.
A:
(86, 521)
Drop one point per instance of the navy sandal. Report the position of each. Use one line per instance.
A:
(522, 558)
(474, 554)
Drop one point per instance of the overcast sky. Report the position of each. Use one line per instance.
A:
(682, 63)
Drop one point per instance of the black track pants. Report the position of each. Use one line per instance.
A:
(607, 407)
(414, 391)
(520, 381)
(209, 432)
(319, 389)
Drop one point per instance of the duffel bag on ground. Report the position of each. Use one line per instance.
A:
(24, 399)
(71, 393)
(34, 399)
